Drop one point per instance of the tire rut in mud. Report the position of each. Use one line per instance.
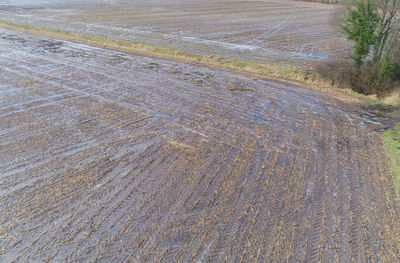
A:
(111, 157)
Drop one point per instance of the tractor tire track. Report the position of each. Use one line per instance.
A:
(148, 160)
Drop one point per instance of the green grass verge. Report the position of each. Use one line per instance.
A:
(395, 114)
(391, 143)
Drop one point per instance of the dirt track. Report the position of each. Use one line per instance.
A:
(109, 157)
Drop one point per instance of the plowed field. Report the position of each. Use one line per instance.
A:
(268, 31)
(110, 157)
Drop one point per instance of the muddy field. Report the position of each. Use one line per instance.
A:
(269, 31)
(110, 157)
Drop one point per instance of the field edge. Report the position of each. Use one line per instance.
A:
(286, 73)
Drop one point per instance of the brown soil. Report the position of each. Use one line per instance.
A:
(110, 157)
(267, 31)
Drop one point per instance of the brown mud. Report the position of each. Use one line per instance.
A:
(269, 31)
(109, 157)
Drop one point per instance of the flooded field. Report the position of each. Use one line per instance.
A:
(269, 31)
(110, 157)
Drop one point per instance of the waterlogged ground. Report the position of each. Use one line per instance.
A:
(269, 31)
(110, 157)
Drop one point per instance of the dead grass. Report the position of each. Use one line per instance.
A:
(393, 98)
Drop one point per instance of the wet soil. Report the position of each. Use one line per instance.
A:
(270, 31)
(108, 157)
(383, 116)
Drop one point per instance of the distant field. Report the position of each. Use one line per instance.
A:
(288, 32)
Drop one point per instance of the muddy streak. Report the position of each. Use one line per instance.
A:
(111, 157)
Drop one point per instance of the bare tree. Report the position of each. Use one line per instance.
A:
(373, 27)
(388, 10)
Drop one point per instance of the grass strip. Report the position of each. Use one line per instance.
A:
(391, 144)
